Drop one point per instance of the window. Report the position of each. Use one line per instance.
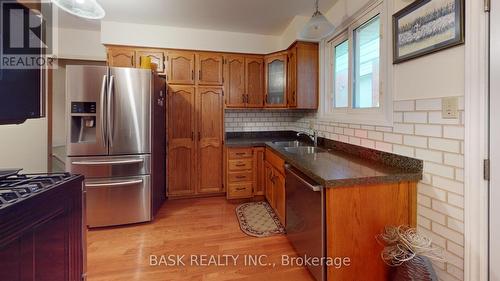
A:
(341, 74)
(366, 64)
(355, 74)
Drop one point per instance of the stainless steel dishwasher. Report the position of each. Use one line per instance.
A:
(305, 218)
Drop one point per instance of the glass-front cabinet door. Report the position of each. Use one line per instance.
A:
(276, 80)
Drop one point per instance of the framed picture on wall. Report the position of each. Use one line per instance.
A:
(427, 26)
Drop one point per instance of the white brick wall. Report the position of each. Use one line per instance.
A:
(419, 131)
(260, 120)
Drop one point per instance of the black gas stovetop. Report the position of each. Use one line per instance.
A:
(15, 187)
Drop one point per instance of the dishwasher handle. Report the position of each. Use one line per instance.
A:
(315, 188)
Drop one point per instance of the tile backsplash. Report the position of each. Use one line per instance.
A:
(418, 131)
(249, 120)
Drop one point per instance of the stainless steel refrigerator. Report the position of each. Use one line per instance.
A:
(115, 131)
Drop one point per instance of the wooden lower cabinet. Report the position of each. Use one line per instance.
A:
(239, 190)
(279, 196)
(41, 238)
(269, 173)
(195, 135)
(181, 142)
(240, 173)
(355, 215)
(245, 175)
(209, 140)
(275, 184)
(259, 173)
(240, 164)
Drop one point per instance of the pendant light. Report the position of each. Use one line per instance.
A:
(88, 9)
(318, 27)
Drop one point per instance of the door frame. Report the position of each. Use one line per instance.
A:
(476, 136)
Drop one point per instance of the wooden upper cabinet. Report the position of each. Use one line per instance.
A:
(275, 80)
(235, 81)
(303, 73)
(180, 67)
(292, 77)
(209, 68)
(181, 141)
(157, 57)
(209, 138)
(254, 82)
(121, 57)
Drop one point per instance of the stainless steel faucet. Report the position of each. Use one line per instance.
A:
(313, 136)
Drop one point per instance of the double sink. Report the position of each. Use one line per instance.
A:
(301, 148)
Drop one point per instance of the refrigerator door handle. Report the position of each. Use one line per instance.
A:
(103, 101)
(110, 108)
(117, 183)
(126, 161)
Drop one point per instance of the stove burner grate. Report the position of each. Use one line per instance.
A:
(16, 187)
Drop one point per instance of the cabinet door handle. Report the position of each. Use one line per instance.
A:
(192, 74)
(199, 74)
(199, 136)
(241, 177)
(240, 165)
(240, 188)
(240, 153)
(192, 136)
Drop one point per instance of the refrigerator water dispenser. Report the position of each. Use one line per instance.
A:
(83, 122)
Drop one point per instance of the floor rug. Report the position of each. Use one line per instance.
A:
(258, 219)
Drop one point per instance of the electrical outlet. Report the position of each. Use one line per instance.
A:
(450, 108)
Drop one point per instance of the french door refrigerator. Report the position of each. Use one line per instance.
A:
(115, 132)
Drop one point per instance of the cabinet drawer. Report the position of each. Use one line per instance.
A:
(240, 165)
(240, 176)
(239, 153)
(275, 161)
(239, 190)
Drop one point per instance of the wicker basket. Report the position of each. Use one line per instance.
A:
(417, 269)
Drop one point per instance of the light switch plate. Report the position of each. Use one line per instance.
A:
(450, 108)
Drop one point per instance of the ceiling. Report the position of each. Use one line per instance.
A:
(268, 17)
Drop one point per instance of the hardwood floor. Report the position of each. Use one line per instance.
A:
(204, 226)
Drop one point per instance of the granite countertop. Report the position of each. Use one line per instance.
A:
(335, 168)
(341, 165)
(245, 139)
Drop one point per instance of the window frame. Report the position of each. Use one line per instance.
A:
(382, 115)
